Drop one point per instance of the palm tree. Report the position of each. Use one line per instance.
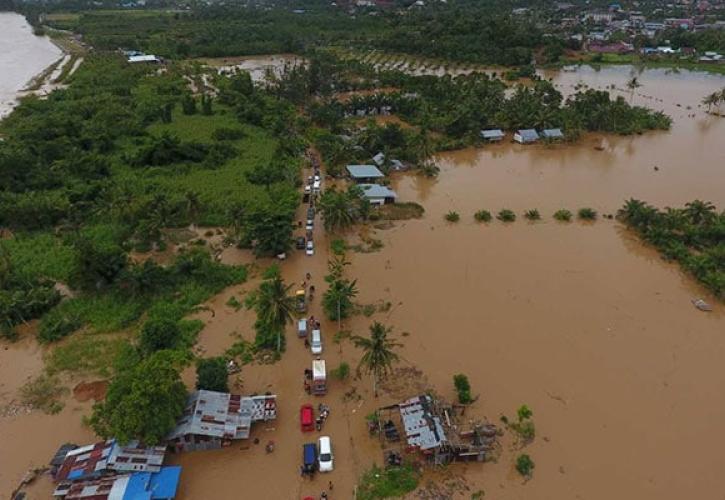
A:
(699, 211)
(192, 204)
(341, 292)
(337, 210)
(378, 356)
(275, 305)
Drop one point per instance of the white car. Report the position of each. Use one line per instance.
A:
(310, 248)
(316, 187)
(316, 342)
(310, 225)
(324, 454)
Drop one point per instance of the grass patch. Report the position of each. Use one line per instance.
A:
(40, 255)
(86, 354)
(44, 393)
(393, 482)
(401, 211)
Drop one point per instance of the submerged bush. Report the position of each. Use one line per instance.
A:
(506, 215)
(587, 213)
(482, 216)
(532, 214)
(524, 465)
(452, 216)
(463, 388)
(563, 215)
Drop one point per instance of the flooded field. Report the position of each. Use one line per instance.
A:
(581, 322)
(257, 66)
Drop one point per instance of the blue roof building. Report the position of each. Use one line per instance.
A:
(552, 133)
(526, 136)
(364, 173)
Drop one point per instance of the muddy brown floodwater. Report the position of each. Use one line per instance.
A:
(581, 322)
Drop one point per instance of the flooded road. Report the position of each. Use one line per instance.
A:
(581, 322)
(22, 56)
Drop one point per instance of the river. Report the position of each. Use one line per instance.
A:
(22, 56)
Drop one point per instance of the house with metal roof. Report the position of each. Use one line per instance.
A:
(526, 136)
(161, 485)
(552, 134)
(364, 173)
(144, 58)
(379, 159)
(378, 195)
(214, 419)
(492, 135)
(107, 457)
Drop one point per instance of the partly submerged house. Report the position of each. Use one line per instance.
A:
(215, 419)
(109, 457)
(526, 136)
(492, 135)
(161, 485)
(378, 195)
(430, 427)
(552, 134)
(364, 173)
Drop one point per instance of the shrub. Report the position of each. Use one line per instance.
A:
(44, 393)
(452, 216)
(58, 324)
(563, 215)
(532, 214)
(211, 374)
(463, 388)
(587, 213)
(158, 334)
(506, 215)
(482, 216)
(338, 246)
(341, 372)
(524, 465)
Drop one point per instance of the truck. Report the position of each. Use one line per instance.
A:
(319, 378)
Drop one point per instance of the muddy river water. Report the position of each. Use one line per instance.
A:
(581, 322)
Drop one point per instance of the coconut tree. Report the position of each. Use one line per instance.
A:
(338, 211)
(378, 353)
(275, 305)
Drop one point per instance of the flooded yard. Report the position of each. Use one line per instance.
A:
(580, 321)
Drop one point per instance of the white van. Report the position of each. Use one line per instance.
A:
(324, 454)
(316, 342)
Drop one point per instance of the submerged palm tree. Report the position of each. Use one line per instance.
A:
(711, 100)
(378, 356)
(274, 305)
(633, 84)
(699, 211)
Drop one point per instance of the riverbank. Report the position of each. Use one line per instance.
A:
(639, 62)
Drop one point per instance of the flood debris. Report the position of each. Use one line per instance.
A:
(702, 305)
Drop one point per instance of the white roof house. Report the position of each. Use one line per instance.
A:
(492, 134)
(143, 58)
(552, 133)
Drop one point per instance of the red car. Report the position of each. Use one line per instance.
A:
(307, 418)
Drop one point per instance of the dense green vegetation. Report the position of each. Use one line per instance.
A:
(463, 388)
(694, 236)
(341, 290)
(212, 375)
